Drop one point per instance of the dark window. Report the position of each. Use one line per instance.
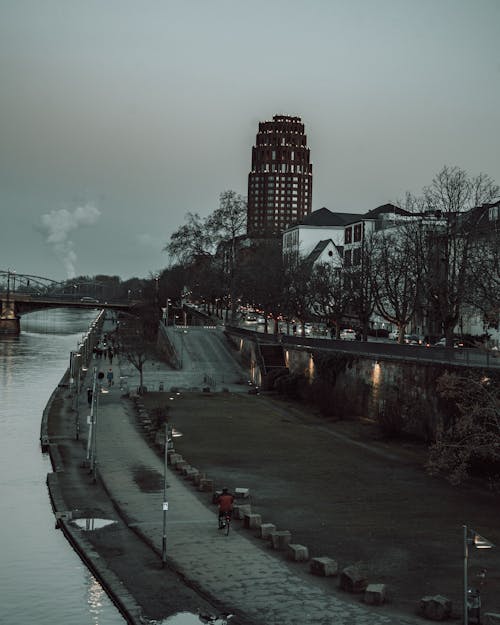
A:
(356, 256)
(347, 258)
(357, 232)
(348, 235)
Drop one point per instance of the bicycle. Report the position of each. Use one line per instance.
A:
(225, 522)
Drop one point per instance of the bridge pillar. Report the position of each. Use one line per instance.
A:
(9, 320)
(10, 326)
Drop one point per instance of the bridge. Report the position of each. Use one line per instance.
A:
(24, 293)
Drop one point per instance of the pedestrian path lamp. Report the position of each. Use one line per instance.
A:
(165, 502)
(473, 539)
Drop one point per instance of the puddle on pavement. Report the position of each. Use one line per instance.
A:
(188, 618)
(147, 480)
(92, 524)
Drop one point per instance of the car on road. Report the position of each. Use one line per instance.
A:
(413, 339)
(89, 300)
(394, 335)
(348, 334)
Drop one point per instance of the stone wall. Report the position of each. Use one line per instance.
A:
(400, 393)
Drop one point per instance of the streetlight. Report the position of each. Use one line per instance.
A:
(181, 333)
(471, 537)
(165, 502)
(166, 311)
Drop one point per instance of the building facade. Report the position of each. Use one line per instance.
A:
(280, 181)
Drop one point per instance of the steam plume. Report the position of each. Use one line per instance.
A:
(57, 227)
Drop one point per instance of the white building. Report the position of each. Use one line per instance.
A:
(301, 239)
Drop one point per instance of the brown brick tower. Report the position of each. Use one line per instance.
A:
(280, 183)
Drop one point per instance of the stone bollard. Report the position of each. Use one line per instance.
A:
(174, 459)
(297, 553)
(435, 608)
(185, 468)
(197, 478)
(206, 485)
(326, 567)
(266, 529)
(241, 493)
(179, 466)
(240, 510)
(252, 521)
(280, 539)
(191, 473)
(353, 579)
(375, 594)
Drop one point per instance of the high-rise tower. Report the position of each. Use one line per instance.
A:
(280, 182)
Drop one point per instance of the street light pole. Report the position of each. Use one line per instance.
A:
(466, 582)
(165, 502)
(471, 537)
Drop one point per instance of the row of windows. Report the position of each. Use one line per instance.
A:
(283, 168)
(350, 236)
(263, 179)
(352, 257)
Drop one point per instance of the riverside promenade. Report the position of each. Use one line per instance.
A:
(116, 525)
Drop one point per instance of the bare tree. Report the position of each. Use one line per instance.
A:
(472, 433)
(452, 198)
(359, 281)
(135, 346)
(298, 294)
(259, 280)
(193, 239)
(330, 295)
(484, 289)
(397, 274)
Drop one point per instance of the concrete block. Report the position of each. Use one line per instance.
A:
(375, 594)
(297, 553)
(325, 567)
(280, 539)
(190, 474)
(180, 465)
(491, 618)
(353, 579)
(266, 529)
(197, 478)
(239, 511)
(435, 608)
(175, 458)
(206, 485)
(241, 493)
(252, 521)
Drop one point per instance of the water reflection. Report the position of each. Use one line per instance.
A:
(92, 524)
(42, 580)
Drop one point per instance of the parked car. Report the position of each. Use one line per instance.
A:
(413, 339)
(394, 335)
(348, 335)
(89, 300)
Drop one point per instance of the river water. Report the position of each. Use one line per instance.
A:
(42, 580)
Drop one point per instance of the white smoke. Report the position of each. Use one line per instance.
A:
(57, 227)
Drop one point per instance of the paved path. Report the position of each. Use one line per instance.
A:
(250, 582)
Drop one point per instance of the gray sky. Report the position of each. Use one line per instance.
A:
(119, 116)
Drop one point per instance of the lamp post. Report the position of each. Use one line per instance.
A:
(181, 333)
(471, 537)
(165, 502)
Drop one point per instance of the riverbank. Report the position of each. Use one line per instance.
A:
(340, 498)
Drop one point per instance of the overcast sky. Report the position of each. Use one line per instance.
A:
(119, 116)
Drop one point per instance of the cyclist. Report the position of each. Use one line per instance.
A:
(225, 501)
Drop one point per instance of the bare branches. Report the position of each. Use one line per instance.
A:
(473, 435)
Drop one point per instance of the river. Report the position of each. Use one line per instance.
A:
(42, 580)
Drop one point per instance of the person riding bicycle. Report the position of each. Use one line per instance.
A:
(225, 501)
